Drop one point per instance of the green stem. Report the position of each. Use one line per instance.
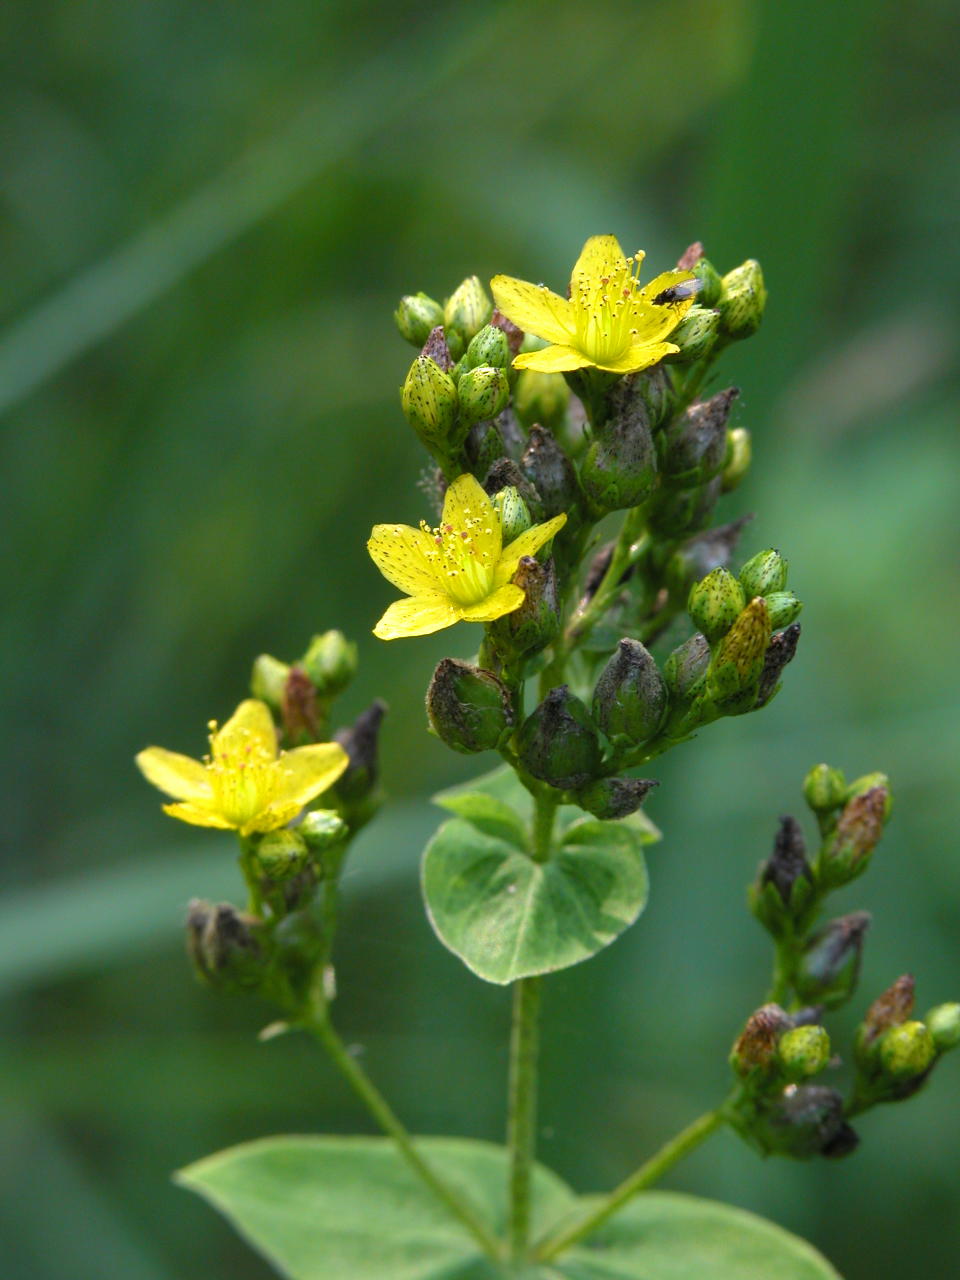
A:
(522, 1121)
(247, 868)
(645, 1176)
(376, 1104)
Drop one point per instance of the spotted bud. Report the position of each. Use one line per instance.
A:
(429, 402)
(743, 298)
(737, 663)
(512, 512)
(483, 393)
(715, 603)
(847, 850)
(558, 743)
(630, 697)
(943, 1023)
(549, 470)
(738, 458)
(267, 680)
(467, 309)
(784, 608)
(803, 1051)
(279, 855)
(890, 1009)
(416, 316)
(488, 347)
(330, 662)
(541, 398)
(764, 573)
(613, 798)
(711, 284)
(695, 444)
(824, 788)
(469, 709)
(696, 335)
(830, 963)
(906, 1052)
(781, 651)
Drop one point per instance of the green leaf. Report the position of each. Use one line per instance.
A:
(488, 814)
(665, 1236)
(351, 1208)
(508, 917)
(502, 783)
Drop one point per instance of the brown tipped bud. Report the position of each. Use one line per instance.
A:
(735, 670)
(300, 715)
(630, 697)
(781, 650)
(891, 1008)
(846, 852)
(696, 444)
(612, 798)
(536, 623)
(435, 348)
(686, 667)
(784, 885)
(756, 1046)
(549, 470)
(830, 963)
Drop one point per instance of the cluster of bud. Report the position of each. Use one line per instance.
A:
(300, 693)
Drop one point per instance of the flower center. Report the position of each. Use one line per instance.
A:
(605, 310)
(244, 776)
(461, 558)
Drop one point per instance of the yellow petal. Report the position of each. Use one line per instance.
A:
(640, 357)
(504, 600)
(418, 616)
(534, 307)
(275, 815)
(528, 544)
(653, 324)
(402, 553)
(306, 771)
(198, 817)
(250, 728)
(557, 359)
(466, 501)
(600, 256)
(177, 775)
(666, 280)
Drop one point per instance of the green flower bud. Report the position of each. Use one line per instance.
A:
(227, 947)
(695, 445)
(322, 829)
(549, 470)
(483, 393)
(268, 679)
(695, 335)
(686, 667)
(536, 623)
(784, 608)
(867, 783)
(652, 387)
(781, 650)
(742, 300)
(416, 316)
(738, 458)
(830, 964)
(467, 309)
(630, 698)
(485, 447)
(541, 398)
(558, 743)
(943, 1023)
(513, 512)
(278, 855)
(468, 708)
(715, 603)
(738, 661)
(711, 284)
(429, 402)
(847, 850)
(763, 574)
(906, 1052)
(619, 468)
(824, 788)
(756, 1047)
(784, 885)
(488, 347)
(330, 662)
(803, 1051)
(613, 798)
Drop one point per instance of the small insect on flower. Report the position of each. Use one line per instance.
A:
(459, 571)
(245, 784)
(609, 321)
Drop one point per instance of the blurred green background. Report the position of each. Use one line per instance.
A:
(208, 213)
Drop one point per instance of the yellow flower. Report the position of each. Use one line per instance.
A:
(458, 572)
(245, 784)
(608, 322)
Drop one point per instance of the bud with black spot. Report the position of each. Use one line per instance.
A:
(829, 965)
(558, 743)
(467, 310)
(715, 603)
(416, 316)
(630, 698)
(742, 301)
(613, 798)
(469, 709)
